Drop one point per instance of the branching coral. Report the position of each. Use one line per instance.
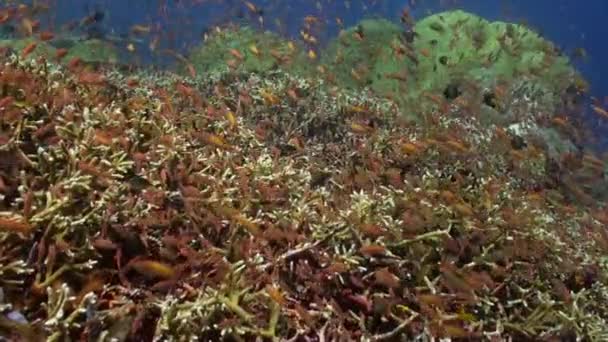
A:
(277, 207)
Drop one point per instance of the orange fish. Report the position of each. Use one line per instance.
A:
(132, 83)
(140, 29)
(600, 111)
(74, 63)
(359, 128)
(28, 49)
(16, 225)
(152, 269)
(251, 7)
(275, 293)
(254, 49)
(215, 140)
(231, 118)
(372, 250)
(60, 53)
(102, 138)
(46, 36)
(91, 78)
(4, 16)
(312, 54)
(398, 75)
(236, 54)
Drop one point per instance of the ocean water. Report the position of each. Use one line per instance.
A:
(569, 24)
(179, 26)
(574, 28)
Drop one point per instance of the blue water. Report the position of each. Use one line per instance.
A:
(568, 23)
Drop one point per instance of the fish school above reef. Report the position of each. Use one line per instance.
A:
(428, 180)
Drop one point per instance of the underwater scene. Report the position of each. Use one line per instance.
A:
(303, 170)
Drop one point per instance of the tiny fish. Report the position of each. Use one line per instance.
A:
(372, 250)
(28, 49)
(152, 269)
(15, 225)
(60, 53)
(312, 54)
(215, 140)
(46, 36)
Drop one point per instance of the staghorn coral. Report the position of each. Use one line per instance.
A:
(243, 206)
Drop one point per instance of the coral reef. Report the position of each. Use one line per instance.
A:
(88, 51)
(452, 53)
(193, 222)
(253, 203)
(247, 50)
(93, 50)
(42, 49)
(462, 45)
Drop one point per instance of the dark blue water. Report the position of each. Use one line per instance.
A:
(570, 24)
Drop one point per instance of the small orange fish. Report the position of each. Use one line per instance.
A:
(463, 209)
(102, 138)
(91, 78)
(231, 119)
(385, 278)
(356, 75)
(457, 146)
(74, 63)
(152, 269)
(237, 217)
(411, 148)
(308, 38)
(215, 140)
(359, 128)
(372, 250)
(132, 83)
(28, 49)
(140, 29)
(46, 36)
(252, 8)
(15, 225)
(104, 244)
(254, 49)
(425, 52)
(560, 121)
(310, 19)
(398, 75)
(278, 56)
(312, 54)
(600, 111)
(60, 53)
(270, 99)
(339, 22)
(236, 54)
(4, 16)
(275, 293)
